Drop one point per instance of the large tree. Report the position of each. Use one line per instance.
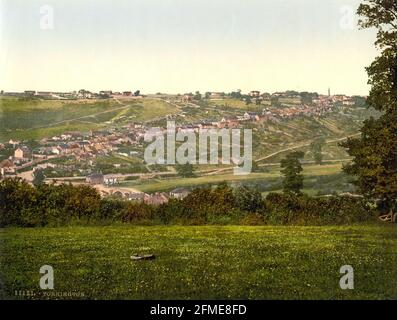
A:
(374, 153)
(291, 168)
(317, 148)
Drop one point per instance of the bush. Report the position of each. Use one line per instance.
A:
(252, 219)
(24, 205)
(135, 211)
(293, 209)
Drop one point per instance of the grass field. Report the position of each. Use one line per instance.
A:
(206, 262)
(273, 173)
(35, 119)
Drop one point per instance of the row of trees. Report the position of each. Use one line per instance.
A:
(25, 205)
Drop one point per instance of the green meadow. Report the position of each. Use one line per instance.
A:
(270, 176)
(36, 119)
(204, 262)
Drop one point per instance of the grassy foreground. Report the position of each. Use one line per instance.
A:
(205, 262)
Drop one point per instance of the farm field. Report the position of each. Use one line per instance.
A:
(272, 175)
(203, 262)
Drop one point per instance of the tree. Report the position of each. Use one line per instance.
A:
(274, 101)
(38, 177)
(317, 148)
(197, 96)
(248, 199)
(236, 94)
(307, 97)
(374, 164)
(185, 170)
(291, 169)
(137, 93)
(248, 100)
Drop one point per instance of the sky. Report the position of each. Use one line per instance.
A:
(179, 46)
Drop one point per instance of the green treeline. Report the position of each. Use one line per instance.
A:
(25, 205)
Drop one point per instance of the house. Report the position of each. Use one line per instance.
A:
(227, 119)
(14, 143)
(136, 196)
(156, 199)
(95, 178)
(47, 94)
(187, 97)
(216, 95)
(255, 94)
(56, 150)
(22, 153)
(84, 94)
(230, 122)
(179, 193)
(110, 180)
(106, 93)
(250, 115)
(348, 103)
(7, 167)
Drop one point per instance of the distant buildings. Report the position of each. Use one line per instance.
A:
(179, 193)
(95, 178)
(22, 153)
(156, 198)
(106, 93)
(216, 95)
(255, 94)
(110, 180)
(7, 167)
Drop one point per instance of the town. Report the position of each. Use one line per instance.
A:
(77, 156)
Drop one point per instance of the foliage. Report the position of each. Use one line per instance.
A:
(185, 170)
(55, 205)
(317, 147)
(38, 177)
(247, 199)
(374, 165)
(291, 169)
(292, 209)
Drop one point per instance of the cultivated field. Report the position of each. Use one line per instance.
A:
(206, 262)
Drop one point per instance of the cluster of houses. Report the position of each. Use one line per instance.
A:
(81, 94)
(87, 146)
(268, 114)
(22, 156)
(111, 181)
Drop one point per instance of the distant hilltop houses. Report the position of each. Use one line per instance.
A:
(81, 94)
(96, 157)
(255, 96)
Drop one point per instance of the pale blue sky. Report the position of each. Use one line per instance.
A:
(184, 45)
